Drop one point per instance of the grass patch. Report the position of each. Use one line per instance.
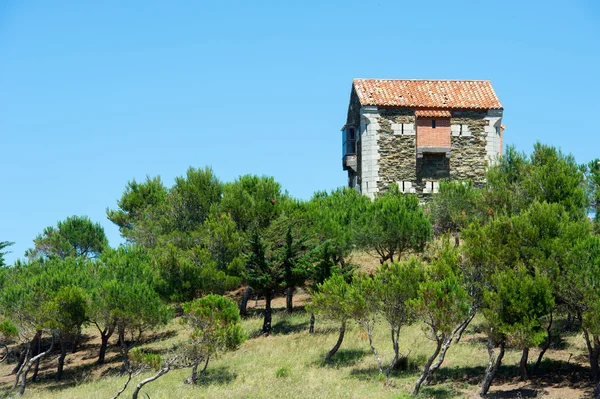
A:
(289, 364)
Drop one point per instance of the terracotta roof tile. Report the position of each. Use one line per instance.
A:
(445, 94)
(433, 113)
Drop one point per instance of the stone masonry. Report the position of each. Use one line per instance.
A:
(417, 147)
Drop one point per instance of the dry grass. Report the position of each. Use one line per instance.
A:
(252, 371)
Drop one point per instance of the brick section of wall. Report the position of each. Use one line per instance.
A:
(427, 136)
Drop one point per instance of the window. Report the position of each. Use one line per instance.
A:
(433, 123)
(349, 144)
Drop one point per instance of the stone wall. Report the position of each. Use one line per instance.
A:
(397, 147)
(386, 149)
(468, 158)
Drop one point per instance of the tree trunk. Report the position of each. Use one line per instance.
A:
(440, 359)
(193, 376)
(370, 334)
(338, 343)
(61, 360)
(124, 348)
(425, 373)
(311, 326)
(523, 364)
(465, 324)
(155, 377)
(492, 367)
(103, 346)
(395, 338)
(26, 355)
(32, 348)
(593, 356)
(244, 302)
(36, 367)
(21, 361)
(28, 367)
(545, 347)
(458, 330)
(266, 330)
(129, 375)
(289, 305)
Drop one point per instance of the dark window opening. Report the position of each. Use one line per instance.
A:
(349, 144)
(351, 134)
(433, 166)
(433, 123)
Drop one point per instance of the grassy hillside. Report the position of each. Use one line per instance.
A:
(288, 365)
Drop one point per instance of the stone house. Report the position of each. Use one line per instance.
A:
(418, 132)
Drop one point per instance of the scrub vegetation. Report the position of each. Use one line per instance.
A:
(238, 289)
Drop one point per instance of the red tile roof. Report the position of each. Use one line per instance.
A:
(445, 94)
(432, 113)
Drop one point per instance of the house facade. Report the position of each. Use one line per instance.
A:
(416, 133)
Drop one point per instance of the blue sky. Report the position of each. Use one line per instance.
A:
(93, 94)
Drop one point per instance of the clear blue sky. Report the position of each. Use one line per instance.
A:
(93, 94)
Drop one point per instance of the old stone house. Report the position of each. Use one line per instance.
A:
(416, 133)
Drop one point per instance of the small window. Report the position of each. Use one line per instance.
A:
(433, 123)
(351, 134)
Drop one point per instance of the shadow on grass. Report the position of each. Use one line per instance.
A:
(284, 326)
(158, 336)
(550, 373)
(343, 358)
(216, 376)
(437, 392)
(513, 394)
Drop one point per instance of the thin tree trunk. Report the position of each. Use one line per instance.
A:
(105, 335)
(593, 355)
(492, 367)
(61, 359)
(465, 324)
(523, 364)
(26, 355)
(21, 360)
(103, 347)
(28, 367)
(425, 373)
(129, 376)
(156, 376)
(440, 359)
(244, 302)
(338, 343)
(36, 367)
(369, 328)
(446, 345)
(289, 298)
(311, 326)
(193, 376)
(124, 348)
(545, 347)
(205, 365)
(30, 349)
(395, 337)
(266, 330)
